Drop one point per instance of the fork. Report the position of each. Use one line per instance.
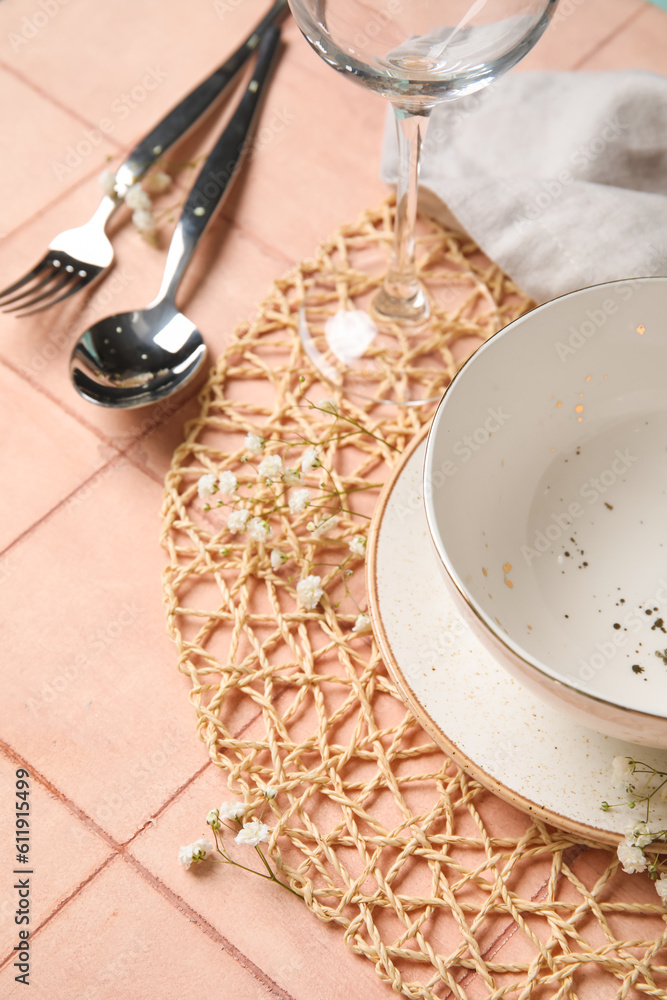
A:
(77, 257)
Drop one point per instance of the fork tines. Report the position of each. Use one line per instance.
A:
(56, 273)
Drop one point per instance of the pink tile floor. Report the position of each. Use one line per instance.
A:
(93, 705)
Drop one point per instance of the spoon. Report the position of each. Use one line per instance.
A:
(137, 358)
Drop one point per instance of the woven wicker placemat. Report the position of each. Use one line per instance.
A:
(446, 890)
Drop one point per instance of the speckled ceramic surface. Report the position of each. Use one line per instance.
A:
(546, 473)
(528, 753)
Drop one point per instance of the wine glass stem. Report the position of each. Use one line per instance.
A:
(402, 298)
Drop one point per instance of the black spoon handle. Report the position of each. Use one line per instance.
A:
(219, 169)
(181, 118)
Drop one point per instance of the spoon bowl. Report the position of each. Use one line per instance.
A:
(137, 358)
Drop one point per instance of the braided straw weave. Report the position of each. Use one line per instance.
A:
(448, 891)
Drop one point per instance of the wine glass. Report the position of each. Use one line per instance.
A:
(375, 330)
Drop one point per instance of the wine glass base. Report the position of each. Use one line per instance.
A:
(365, 354)
(415, 310)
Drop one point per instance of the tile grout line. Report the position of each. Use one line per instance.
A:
(61, 503)
(43, 209)
(92, 428)
(121, 454)
(13, 755)
(80, 814)
(154, 425)
(121, 449)
(118, 846)
(609, 38)
(63, 903)
(230, 221)
(117, 849)
(122, 148)
(176, 794)
(38, 387)
(120, 850)
(206, 928)
(8, 68)
(157, 479)
(261, 243)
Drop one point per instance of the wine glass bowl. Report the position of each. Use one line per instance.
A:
(421, 52)
(416, 53)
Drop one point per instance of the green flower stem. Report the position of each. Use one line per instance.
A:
(639, 767)
(273, 877)
(350, 420)
(270, 875)
(339, 510)
(362, 430)
(265, 862)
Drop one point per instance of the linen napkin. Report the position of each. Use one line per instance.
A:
(561, 178)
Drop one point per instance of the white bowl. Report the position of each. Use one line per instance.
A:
(545, 487)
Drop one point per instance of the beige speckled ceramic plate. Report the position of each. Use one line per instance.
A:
(521, 749)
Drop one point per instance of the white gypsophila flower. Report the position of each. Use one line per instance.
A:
(362, 624)
(310, 461)
(317, 528)
(632, 858)
(157, 182)
(108, 182)
(227, 483)
(270, 467)
(137, 199)
(144, 222)
(254, 443)
(622, 769)
(192, 853)
(206, 485)
(291, 477)
(299, 501)
(237, 521)
(358, 546)
(270, 792)
(253, 833)
(213, 818)
(328, 406)
(233, 810)
(638, 835)
(259, 529)
(309, 592)
(277, 559)
(661, 887)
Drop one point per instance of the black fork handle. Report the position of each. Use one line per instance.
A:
(181, 118)
(220, 168)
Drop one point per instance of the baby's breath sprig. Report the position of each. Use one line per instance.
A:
(278, 482)
(642, 784)
(232, 816)
(138, 198)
